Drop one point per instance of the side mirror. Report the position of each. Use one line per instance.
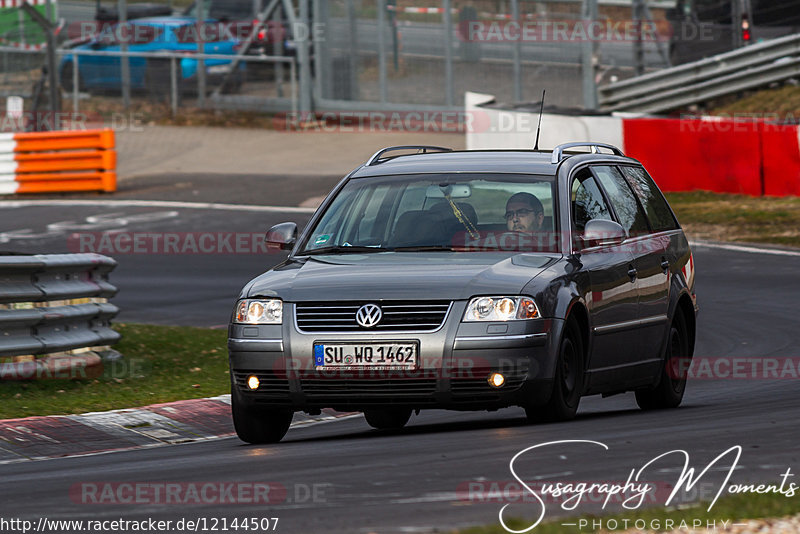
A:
(603, 233)
(282, 236)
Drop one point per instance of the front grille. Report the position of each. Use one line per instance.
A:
(398, 316)
(270, 385)
(386, 390)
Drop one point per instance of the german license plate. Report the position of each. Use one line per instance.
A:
(390, 355)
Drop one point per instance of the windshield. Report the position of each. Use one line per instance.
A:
(442, 212)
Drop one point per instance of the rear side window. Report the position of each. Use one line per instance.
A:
(622, 199)
(655, 205)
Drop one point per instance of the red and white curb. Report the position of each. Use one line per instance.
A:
(40, 438)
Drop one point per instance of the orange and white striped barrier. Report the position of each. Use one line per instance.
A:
(58, 162)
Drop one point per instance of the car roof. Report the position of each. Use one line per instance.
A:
(434, 160)
(477, 161)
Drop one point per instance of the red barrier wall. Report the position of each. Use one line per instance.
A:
(724, 156)
(781, 160)
(685, 155)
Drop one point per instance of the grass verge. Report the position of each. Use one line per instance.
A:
(162, 364)
(732, 508)
(741, 218)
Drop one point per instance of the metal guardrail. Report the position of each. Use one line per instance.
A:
(55, 307)
(746, 68)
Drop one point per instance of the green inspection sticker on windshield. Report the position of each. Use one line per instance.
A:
(322, 239)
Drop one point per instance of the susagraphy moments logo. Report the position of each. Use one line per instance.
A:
(636, 490)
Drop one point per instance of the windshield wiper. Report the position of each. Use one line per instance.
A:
(425, 248)
(343, 250)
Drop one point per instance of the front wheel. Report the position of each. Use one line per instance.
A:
(668, 393)
(259, 425)
(569, 380)
(388, 418)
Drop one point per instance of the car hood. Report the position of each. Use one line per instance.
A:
(392, 276)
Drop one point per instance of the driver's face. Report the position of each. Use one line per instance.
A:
(521, 218)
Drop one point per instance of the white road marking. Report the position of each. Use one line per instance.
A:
(445, 496)
(743, 248)
(155, 204)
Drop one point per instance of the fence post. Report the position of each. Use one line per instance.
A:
(353, 55)
(515, 16)
(125, 64)
(382, 81)
(201, 49)
(321, 17)
(448, 54)
(278, 50)
(589, 14)
(638, 48)
(52, 68)
(173, 84)
(75, 82)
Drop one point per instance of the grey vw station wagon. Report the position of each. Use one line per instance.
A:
(472, 280)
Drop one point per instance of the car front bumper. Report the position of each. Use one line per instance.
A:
(455, 363)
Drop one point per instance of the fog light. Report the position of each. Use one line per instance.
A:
(496, 380)
(252, 382)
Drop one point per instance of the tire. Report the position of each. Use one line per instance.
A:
(668, 392)
(387, 418)
(258, 425)
(569, 380)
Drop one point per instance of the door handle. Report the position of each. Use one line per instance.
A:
(665, 265)
(632, 273)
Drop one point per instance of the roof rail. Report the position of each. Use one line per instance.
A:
(558, 152)
(374, 160)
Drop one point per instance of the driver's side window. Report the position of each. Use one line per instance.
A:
(587, 201)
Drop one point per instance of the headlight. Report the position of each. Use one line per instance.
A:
(501, 309)
(259, 311)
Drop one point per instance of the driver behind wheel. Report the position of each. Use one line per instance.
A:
(524, 213)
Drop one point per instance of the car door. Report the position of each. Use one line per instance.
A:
(656, 254)
(642, 272)
(611, 299)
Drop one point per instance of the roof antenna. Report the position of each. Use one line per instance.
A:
(539, 129)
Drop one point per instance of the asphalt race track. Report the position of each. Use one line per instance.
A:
(411, 481)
